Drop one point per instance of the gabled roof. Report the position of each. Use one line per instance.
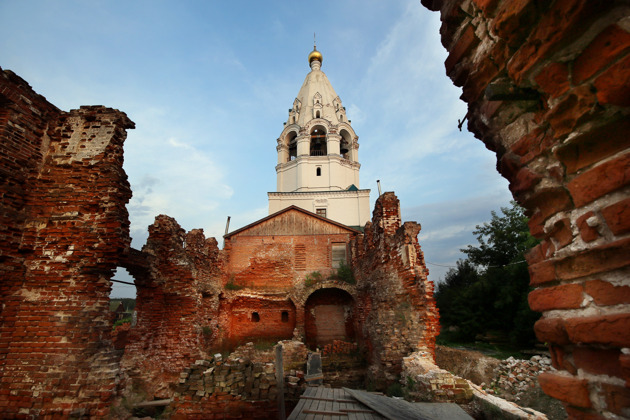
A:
(289, 209)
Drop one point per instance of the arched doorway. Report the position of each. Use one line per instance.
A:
(329, 316)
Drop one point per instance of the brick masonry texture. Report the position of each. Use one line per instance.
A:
(547, 87)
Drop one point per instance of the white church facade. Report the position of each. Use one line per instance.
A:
(318, 162)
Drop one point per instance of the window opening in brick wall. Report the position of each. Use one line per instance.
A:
(285, 316)
(318, 171)
(320, 212)
(255, 317)
(338, 255)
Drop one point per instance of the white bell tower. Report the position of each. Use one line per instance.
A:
(318, 160)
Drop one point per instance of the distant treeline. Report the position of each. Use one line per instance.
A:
(486, 294)
(128, 303)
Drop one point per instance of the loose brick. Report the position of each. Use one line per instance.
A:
(464, 44)
(594, 145)
(568, 389)
(613, 86)
(602, 179)
(604, 293)
(617, 217)
(597, 361)
(554, 79)
(551, 330)
(595, 260)
(602, 51)
(617, 399)
(562, 232)
(567, 296)
(587, 232)
(607, 329)
(542, 272)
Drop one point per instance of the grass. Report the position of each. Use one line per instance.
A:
(450, 339)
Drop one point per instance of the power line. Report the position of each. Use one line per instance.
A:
(123, 282)
(488, 266)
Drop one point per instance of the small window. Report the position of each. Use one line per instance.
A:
(285, 316)
(319, 171)
(317, 114)
(320, 212)
(338, 255)
(255, 317)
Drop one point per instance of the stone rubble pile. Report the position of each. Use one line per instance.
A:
(238, 377)
(514, 376)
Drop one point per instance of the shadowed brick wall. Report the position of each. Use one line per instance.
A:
(177, 305)
(64, 229)
(395, 305)
(259, 318)
(548, 90)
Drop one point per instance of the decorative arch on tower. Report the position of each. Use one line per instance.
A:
(345, 144)
(318, 106)
(290, 140)
(318, 141)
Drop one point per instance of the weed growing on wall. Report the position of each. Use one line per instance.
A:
(312, 278)
(230, 285)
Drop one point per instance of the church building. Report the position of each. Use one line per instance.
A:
(289, 261)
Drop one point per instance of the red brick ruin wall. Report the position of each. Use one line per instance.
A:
(395, 307)
(269, 324)
(548, 90)
(64, 228)
(177, 305)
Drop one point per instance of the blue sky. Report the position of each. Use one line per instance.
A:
(209, 85)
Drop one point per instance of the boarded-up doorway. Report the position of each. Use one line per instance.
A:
(329, 316)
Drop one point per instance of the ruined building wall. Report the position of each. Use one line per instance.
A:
(548, 90)
(395, 305)
(177, 305)
(64, 228)
(257, 317)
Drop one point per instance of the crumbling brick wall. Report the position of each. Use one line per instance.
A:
(395, 306)
(64, 229)
(548, 90)
(177, 305)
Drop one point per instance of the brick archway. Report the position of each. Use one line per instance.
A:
(328, 316)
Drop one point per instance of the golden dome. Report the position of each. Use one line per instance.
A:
(315, 55)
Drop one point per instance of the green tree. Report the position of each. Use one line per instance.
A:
(488, 291)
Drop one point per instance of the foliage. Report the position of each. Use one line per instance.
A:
(312, 278)
(343, 273)
(119, 322)
(230, 285)
(488, 291)
(395, 390)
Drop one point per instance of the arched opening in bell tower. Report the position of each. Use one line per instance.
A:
(318, 141)
(345, 144)
(292, 143)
